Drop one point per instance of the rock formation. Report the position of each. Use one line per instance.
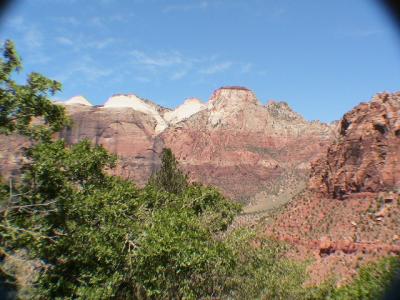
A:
(366, 155)
(78, 100)
(136, 104)
(125, 131)
(184, 111)
(240, 145)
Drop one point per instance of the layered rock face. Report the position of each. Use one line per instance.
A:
(122, 102)
(240, 145)
(366, 155)
(232, 142)
(123, 130)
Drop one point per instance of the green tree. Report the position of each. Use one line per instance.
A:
(101, 237)
(371, 282)
(169, 177)
(27, 109)
(73, 216)
(178, 258)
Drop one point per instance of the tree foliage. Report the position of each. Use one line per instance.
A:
(169, 178)
(26, 109)
(102, 237)
(371, 282)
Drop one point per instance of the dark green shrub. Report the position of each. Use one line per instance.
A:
(371, 281)
(169, 177)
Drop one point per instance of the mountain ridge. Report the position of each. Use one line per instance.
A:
(233, 141)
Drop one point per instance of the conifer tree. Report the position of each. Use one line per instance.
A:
(169, 177)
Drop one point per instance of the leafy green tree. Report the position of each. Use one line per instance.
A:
(213, 210)
(97, 233)
(178, 258)
(26, 109)
(73, 216)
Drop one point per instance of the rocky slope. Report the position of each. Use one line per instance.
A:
(349, 213)
(233, 141)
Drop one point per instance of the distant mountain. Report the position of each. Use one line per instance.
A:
(240, 145)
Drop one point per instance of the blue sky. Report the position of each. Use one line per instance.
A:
(323, 57)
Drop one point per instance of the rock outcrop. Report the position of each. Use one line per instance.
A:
(366, 154)
(135, 103)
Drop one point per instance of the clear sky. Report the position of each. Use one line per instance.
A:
(323, 57)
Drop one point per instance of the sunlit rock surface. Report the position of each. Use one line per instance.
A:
(78, 100)
(184, 111)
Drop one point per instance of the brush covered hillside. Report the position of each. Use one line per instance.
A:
(349, 212)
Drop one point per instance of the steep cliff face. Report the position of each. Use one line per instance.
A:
(134, 103)
(129, 133)
(240, 145)
(366, 154)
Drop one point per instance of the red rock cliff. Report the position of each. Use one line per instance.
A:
(240, 145)
(366, 155)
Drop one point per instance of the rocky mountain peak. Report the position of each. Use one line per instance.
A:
(190, 101)
(125, 100)
(184, 111)
(231, 97)
(229, 106)
(282, 111)
(78, 100)
(137, 104)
